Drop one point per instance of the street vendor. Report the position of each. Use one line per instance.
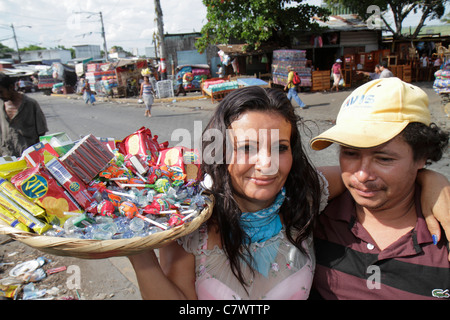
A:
(22, 121)
(258, 242)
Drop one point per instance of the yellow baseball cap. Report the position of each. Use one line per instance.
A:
(375, 113)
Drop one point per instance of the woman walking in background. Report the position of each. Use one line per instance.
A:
(147, 95)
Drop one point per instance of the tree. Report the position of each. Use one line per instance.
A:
(6, 52)
(32, 47)
(400, 9)
(256, 21)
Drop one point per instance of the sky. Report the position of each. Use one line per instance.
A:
(129, 24)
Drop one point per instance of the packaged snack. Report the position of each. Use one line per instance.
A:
(39, 186)
(9, 167)
(10, 191)
(39, 153)
(87, 158)
(60, 142)
(72, 184)
(23, 215)
(141, 142)
(9, 218)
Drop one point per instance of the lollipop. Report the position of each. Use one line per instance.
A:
(106, 208)
(129, 210)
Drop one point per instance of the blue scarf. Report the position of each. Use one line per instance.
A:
(260, 226)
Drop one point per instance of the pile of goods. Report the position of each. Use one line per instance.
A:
(101, 188)
(282, 59)
(441, 84)
(193, 75)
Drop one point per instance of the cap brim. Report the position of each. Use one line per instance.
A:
(363, 134)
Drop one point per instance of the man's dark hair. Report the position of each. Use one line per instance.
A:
(427, 142)
(383, 64)
(6, 81)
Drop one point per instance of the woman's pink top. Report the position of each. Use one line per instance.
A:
(290, 275)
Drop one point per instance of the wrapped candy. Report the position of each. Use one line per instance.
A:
(107, 208)
(128, 209)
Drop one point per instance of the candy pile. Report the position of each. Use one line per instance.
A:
(102, 190)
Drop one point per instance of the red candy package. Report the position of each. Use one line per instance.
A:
(72, 184)
(140, 143)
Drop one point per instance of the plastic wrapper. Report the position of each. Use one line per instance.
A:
(87, 158)
(7, 188)
(23, 215)
(9, 291)
(141, 142)
(40, 186)
(73, 185)
(9, 218)
(39, 153)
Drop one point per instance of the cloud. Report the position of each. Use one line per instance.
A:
(128, 24)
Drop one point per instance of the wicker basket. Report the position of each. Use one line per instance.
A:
(101, 249)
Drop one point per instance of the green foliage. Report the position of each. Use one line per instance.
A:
(5, 51)
(400, 9)
(32, 47)
(255, 21)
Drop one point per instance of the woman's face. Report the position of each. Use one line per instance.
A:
(262, 158)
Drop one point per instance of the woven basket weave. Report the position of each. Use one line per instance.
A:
(101, 249)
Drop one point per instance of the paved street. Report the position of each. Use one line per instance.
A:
(114, 277)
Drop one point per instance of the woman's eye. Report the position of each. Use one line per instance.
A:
(280, 148)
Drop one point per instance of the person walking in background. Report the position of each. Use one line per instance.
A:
(147, 95)
(22, 121)
(87, 93)
(291, 88)
(337, 74)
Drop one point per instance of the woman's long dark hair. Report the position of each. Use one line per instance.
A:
(301, 206)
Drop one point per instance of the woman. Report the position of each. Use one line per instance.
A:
(337, 74)
(257, 243)
(147, 95)
(227, 257)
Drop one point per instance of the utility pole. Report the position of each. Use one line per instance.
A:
(105, 49)
(17, 44)
(159, 19)
(104, 37)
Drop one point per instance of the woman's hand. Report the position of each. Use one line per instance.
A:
(435, 199)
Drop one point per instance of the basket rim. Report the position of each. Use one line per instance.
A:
(98, 249)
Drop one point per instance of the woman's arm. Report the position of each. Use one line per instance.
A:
(435, 199)
(335, 184)
(155, 283)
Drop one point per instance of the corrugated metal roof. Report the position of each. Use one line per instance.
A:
(343, 22)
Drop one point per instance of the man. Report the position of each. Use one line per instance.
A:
(372, 75)
(291, 88)
(385, 72)
(372, 241)
(180, 88)
(221, 71)
(22, 121)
